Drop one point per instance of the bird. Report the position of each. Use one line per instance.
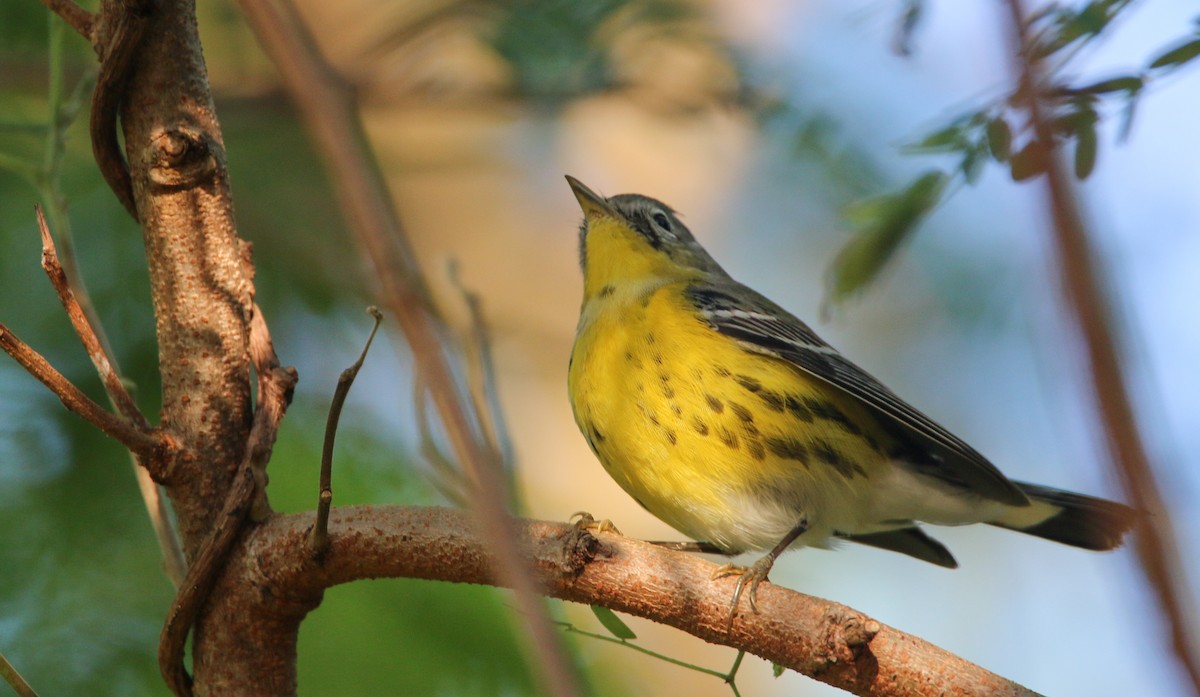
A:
(732, 421)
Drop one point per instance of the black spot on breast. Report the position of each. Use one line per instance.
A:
(797, 409)
(727, 437)
(741, 412)
(607, 290)
(658, 359)
(671, 437)
(722, 371)
(831, 456)
(715, 404)
(748, 382)
(756, 449)
(788, 448)
(772, 399)
(700, 426)
(676, 409)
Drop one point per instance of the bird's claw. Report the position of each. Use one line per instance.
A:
(750, 576)
(584, 521)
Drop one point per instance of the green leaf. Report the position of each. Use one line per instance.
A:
(949, 139)
(615, 625)
(777, 669)
(972, 163)
(885, 223)
(1085, 151)
(1128, 83)
(1178, 55)
(1127, 115)
(999, 139)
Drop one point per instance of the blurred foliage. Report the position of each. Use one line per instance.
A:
(1002, 131)
(561, 49)
(81, 593)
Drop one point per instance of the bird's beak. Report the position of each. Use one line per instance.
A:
(594, 205)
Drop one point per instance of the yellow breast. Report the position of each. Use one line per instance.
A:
(724, 445)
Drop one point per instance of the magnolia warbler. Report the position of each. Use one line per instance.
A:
(734, 423)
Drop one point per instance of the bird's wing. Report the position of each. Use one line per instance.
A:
(763, 327)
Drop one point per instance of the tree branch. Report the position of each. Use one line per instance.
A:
(117, 36)
(146, 445)
(83, 329)
(75, 16)
(1087, 301)
(276, 579)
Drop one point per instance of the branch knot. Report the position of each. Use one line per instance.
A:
(180, 158)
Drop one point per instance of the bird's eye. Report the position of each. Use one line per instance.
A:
(661, 220)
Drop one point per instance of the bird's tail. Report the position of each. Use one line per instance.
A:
(1070, 518)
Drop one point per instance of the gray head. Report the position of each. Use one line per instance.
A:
(649, 218)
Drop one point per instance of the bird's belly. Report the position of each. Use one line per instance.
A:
(687, 423)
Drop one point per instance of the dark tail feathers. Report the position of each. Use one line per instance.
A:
(1081, 521)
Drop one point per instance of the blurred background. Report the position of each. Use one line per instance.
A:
(760, 122)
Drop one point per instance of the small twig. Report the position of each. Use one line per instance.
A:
(122, 26)
(83, 328)
(481, 373)
(146, 444)
(319, 540)
(92, 337)
(9, 674)
(446, 476)
(78, 18)
(246, 500)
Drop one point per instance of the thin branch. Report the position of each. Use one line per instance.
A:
(83, 328)
(92, 338)
(13, 679)
(146, 445)
(821, 639)
(1156, 545)
(78, 18)
(327, 106)
(122, 26)
(319, 540)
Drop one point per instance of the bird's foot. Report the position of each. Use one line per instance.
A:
(749, 578)
(583, 520)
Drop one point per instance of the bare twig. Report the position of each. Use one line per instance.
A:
(121, 27)
(14, 680)
(78, 18)
(327, 106)
(87, 328)
(821, 639)
(319, 540)
(146, 445)
(1156, 542)
(83, 328)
